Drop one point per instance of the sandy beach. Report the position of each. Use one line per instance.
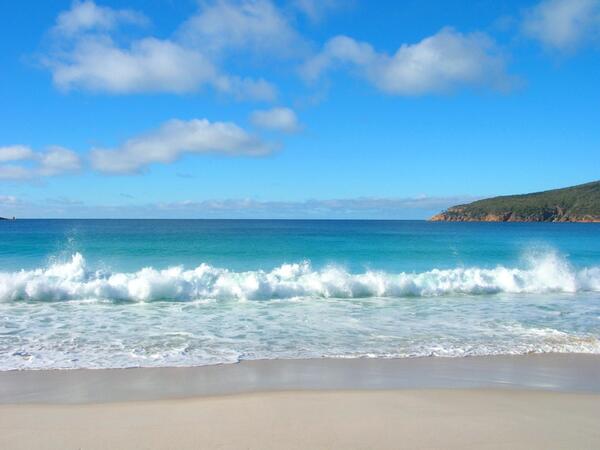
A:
(528, 402)
(451, 419)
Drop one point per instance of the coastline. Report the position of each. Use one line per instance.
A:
(534, 401)
(557, 372)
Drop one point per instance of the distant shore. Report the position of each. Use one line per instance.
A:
(537, 401)
(572, 204)
(458, 215)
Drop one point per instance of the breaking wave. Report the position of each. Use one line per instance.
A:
(73, 280)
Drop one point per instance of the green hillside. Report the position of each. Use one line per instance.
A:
(573, 204)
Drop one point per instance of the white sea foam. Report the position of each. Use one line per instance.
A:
(36, 332)
(73, 280)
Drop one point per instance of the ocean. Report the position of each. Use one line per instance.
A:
(148, 293)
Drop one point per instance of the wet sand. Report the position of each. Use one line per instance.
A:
(529, 402)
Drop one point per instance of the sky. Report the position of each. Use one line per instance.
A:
(292, 109)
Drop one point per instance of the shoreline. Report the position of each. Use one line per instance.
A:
(557, 372)
(548, 401)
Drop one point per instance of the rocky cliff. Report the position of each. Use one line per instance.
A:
(573, 204)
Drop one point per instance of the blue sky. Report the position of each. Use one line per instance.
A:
(304, 108)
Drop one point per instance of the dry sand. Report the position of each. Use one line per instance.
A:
(416, 419)
(527, 402)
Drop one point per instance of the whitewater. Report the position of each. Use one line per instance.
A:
(72, 280)
(69, 316)
(114, 294)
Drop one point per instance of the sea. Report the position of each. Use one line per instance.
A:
(151, 293)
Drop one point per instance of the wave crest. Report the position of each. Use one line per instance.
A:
(72, 281)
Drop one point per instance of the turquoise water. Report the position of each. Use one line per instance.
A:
(122, 293)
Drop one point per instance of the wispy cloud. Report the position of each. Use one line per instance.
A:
(278, 119)
(64, 201)
(316, 10)
(86, 15)
(8, 200)
(175, 138)
(19, 162)
(185, 175)
(350, 208)
(563, 25)
(446, 61)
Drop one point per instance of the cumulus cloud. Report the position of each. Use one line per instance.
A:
(279, 119)
(86, 56)
(226, 25)
(57, 160)
(15, 153)
(24, 163)
(86, 15)
(563, 25)
(176, 138)
(148, 65)
(440, 63)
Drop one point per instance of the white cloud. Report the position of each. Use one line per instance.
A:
(175, 138)
(8, 200)
(340, 50)
(14, 172)
(85, 55)
(86, 15)
(148, 65)
(391, 208)
(53, 161)
(440, 63)
(57, 160)
(315, 10)
(279, 119)
(15, 153)
(248, 24)
(350, 208)
(246, 88)
(563, 24)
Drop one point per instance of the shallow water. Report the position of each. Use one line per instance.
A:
(125, 293)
